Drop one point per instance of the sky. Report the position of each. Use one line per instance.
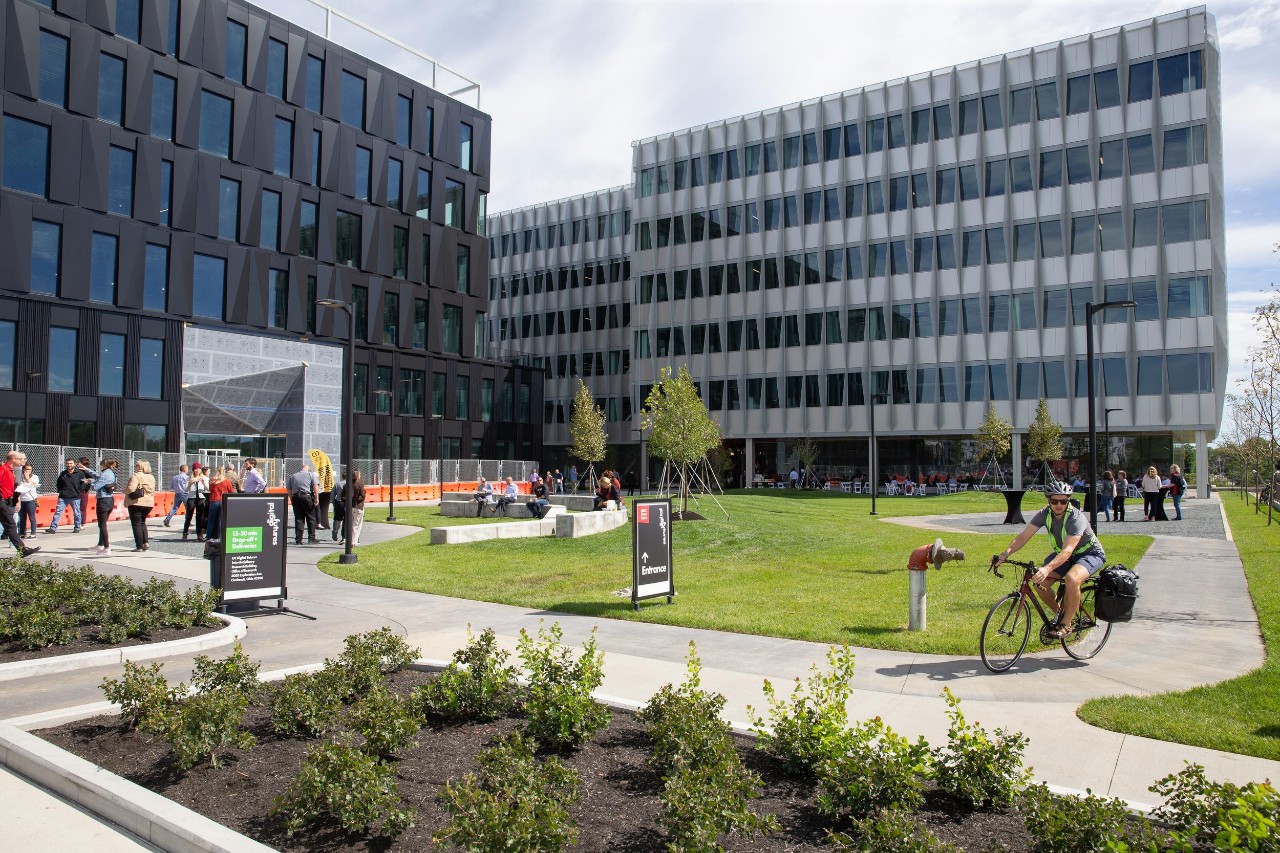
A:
(570, 84)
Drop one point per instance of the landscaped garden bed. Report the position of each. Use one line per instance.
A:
(48, 611)
(369, 754)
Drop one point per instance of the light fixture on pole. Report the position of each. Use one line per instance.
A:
(872, 456)
(348, 420)
(1106, 429)
(390, 394)
(1092, 486)
(26, 405)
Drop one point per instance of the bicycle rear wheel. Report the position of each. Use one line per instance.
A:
(1005, 633)
(1088, 633)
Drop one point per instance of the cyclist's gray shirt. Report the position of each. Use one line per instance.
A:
(1074, 523)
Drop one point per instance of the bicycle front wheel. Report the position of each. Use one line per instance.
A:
(1005, 633)
(1088, 633)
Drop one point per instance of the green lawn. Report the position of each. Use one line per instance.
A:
(1243, 714)
(804, 565)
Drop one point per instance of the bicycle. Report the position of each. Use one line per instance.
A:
(1007, 628)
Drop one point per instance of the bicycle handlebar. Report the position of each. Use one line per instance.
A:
(1022, 564)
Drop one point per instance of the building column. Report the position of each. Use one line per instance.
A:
(1016, 441)
(749, 466)
(644, 466)
(1202, 463)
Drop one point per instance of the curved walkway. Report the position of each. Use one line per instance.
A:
(1194, 625)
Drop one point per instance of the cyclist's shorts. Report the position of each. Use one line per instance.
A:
(1092, 562)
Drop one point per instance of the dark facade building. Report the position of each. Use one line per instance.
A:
(182, 181)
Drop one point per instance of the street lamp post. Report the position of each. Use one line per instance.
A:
(873, 458)
(1106, 428)
(26, 405)
(348, 556)
(391, 441)
(1089, 310)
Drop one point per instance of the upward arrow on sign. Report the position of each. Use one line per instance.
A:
(645, 556)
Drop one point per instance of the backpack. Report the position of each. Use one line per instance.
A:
(1117, 593)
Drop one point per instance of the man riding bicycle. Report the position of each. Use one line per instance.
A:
(1077, 554)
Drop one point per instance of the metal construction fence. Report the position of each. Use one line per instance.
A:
(49, 460)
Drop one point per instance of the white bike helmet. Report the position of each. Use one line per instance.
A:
(1058, 489)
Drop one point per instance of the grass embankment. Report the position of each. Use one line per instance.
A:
(802, 565)
(1241, 715)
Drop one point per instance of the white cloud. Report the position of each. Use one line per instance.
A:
(1253, 246)
(1256, 25)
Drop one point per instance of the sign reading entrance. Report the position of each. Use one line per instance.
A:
(253, 546)
(651, 550)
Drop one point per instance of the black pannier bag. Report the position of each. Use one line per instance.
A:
(1117, 592)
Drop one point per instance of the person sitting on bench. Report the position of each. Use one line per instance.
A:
(483, 495)
(539, 505)
(509, 494)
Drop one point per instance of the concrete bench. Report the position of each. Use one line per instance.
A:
(574, 503)
(484, 532)
(467, 509)
(588, 523)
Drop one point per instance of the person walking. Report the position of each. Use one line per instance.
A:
(103, 489)
(197, 502)
(1177, 488)
(27, 488)
(1107, 494)
(7, 521)
(355, 506)
(573, 478)
(220, 485)
(253, 484)
(338, 497)
(559, 482)
(87, 476)
(1150, 493)
(178, 485)
(139, 498)
(68, 488)
(1122, 492)
(302, 499)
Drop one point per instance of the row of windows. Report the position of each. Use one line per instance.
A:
(1182, 72)
(1154, 375)
(579, 320)
(62, 371)
(1183, 146)
(112, 71)
(560, 278)
(616, 409)
(1169, 224)
(611, 363)
(570, 233)
(1184, 298)
(407, 395)
(85, 434)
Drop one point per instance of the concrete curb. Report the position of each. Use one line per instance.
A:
(234, 629)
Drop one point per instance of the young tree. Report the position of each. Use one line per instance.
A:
(993, 439)
(807, 453)
(1044, 438)
(678, 426)
(586, 428)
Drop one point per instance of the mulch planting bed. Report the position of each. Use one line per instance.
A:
(88, 642)
(619, 808)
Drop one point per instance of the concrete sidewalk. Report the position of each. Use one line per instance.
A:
(1194, 625)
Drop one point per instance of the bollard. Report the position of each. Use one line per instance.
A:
(918, 565)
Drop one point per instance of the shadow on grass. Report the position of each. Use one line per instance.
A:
(1268, 731)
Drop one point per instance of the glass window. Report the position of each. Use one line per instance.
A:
(1181, 73)
(1051, 238)
(360, 388)
(464, 145)
(360, 310)
(209, 281)
(1083, 231)
(810, 148)
(395, 177)
(1184, 146)
(923, 252)
(1110, 159)
(150, 368)
(451, 329)
(972, 248)
(920, 196)
(404, 120)
(166, 190)
(277, 54)
(419, 324)
(1028, 380)
(975, 383)
(282, 163)
(900, 321)
(462, 268)
(1050, 169)
(399, 252)
(228, 209)
(413, 392)
(426, 262)
(316, 137)
(1055, 308)
(8, 340)
(364, 172)
(991, 118)
(998, 313)
(313, 98)
(1140, 81)
(453, 202)
(899, 193)
(1020, 106)
(1183, 370)
(1150, 373)
(897, 131)
(1046, 100)
(919, 126)
(948, 316)
(1078, 95)
(1146, 221)
(969, 110)
(946, 252)
(110, 88)
(237, 39)
(424, 195)
(1024, 311)
(120, 181)
(1024, 242)
(1020, 174)
(1106, 88)
(1141, 156)
(102, 268)
(972, 313)
(1148, 307)
(944, 185)
(969, 189)
(995, 178)
(996, 253)
(163, 92)
(53, 69)
(790, 154)
(269, 232)
(307, 229)
(877, 262)
(1188, 297)
(390, 318)
(875, 135)
(348, 231)
(1079, 167)
(46, 252)
(1055, 380)
(63, 360)
(830, 143)
(155, 278)
(128, 19)
(26, 156)
(999, 381)
(215, 124)
(942, 121)
(353, 99)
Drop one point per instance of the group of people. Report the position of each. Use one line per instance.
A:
(307, 502)
(497, 500)
(1115, 487)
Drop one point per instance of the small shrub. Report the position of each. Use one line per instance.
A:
(1250, 822)
(339, 783)
(700, 804)
(1218, 815)
(683, 723)
(237, 671)
(142, 693)
(193, 607)
(479, 684)
(515, 803)
(307, 704)
(367, 657)
(889, 831)
(809, 726)
(38, 626)
(387, 721)
(1085, 824)
(984, 771)
(561, 712)
(203, 725)
(881, 770)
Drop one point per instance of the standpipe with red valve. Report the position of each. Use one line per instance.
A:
(918, 564)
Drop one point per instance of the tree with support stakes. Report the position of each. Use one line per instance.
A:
(993, 439)
(679, 428)
(586, 428)
(806, 455)
(1044, 440)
